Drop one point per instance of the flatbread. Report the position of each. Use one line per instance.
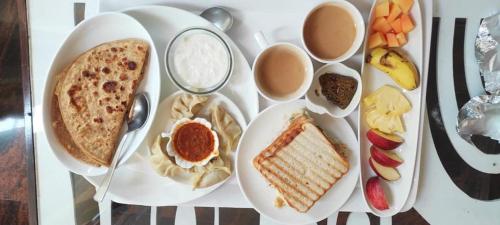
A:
(95, 92)
(65, 138)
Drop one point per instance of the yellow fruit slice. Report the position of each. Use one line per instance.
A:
(398, 66)
(387, 100)
(384, 122)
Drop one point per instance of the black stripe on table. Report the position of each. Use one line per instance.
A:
(232, 216)
(474, 183)
(459, 80)
(204, 215)
(166, 215)
(123, 214)
(409, 217)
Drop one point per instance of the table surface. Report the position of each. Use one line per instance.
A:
(459, 183)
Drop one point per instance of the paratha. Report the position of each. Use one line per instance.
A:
(95, 92)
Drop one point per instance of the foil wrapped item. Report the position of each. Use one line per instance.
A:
(480, 116)
(488, 52)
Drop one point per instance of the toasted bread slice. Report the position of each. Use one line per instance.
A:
(302, 164)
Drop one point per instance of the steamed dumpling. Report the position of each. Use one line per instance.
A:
(187, 105)
(217, 170)
(228, 129)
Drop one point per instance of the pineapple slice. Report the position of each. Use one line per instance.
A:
(384, 122)
(384, 108)
(388, 100)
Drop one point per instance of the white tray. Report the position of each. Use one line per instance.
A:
(281, 24)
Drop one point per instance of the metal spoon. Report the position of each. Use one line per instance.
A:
(220, 17)
(136, 118)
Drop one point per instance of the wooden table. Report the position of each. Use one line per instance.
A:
(18, 193)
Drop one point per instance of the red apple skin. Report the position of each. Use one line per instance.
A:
(379, 156)
(375, 194)
(379, 174)
(380, 141)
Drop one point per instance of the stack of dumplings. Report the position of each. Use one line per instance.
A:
(218, 169)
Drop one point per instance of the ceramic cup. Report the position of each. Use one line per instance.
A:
(358, 23)
(308, 76)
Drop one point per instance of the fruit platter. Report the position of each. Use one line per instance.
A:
(390, 104)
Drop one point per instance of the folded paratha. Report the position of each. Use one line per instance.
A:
(95, 92)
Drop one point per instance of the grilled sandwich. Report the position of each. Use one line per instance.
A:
(302, 164)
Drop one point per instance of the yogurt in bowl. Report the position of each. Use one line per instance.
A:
(199, 61)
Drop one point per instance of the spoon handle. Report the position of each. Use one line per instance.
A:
(103, 188)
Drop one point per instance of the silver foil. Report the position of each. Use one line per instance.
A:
(488, 52)
(480, 116)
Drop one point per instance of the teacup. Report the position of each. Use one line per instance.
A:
(333, 31)
(282, 71)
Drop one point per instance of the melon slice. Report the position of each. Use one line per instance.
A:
(396, 26)
(401, 38)
(376, 39)
(406, 23)
(381, 24)
(394, 12)
(405, 5)
(391, 40)
(382, 9)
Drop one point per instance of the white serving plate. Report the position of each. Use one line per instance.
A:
(261, 132)
(135, 182)
(138, 183)
(164, 121)
(397, 191)
(319, 103)
(86, 35)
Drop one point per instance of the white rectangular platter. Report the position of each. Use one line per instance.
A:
(397, 191)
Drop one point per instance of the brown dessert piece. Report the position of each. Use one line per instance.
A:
(338, 89)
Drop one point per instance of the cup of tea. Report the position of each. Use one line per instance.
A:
(333, 31)
(282, 71)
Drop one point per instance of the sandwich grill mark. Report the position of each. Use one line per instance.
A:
(280, 184)
(294, 183)
(314, 183)
(311, 169)
(306, 181)
(314, 154)
(311, 160)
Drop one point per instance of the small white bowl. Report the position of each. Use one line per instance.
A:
(319, 104)
(358, 22)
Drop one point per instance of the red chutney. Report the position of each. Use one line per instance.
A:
(193, 141)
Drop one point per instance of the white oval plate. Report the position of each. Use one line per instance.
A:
(86, 35)
(261, 132)
(396, 191)
(135, 182)
(319, 104)
(164, 122)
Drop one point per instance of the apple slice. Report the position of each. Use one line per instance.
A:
(384, 141)
(375, 194)
(385, 158)
(388, 173)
